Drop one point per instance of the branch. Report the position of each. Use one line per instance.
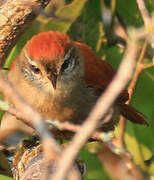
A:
(15, 18)
(51, 124)
(144, 12)
(51, 150)
(31, 116)
(99, 111)
(124, 168)
(138, 70)
(147, 20)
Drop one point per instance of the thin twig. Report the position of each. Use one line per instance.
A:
(62, 126)
(139, 69)
(147, 21)
(113, 10)
(144, 12)
(30, 114)
(99, 111)
(131, 88)
(51, 149)
(124, 167)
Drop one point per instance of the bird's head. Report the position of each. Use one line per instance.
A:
(51, 60)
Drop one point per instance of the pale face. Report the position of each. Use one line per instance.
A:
(56, 73)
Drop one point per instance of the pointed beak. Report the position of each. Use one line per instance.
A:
(53, 79)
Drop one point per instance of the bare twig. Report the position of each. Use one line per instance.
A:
(138, 70)
(51, 149)
(113, 10)
(30, 115)
(99, 111)
(147, 20)
(62, 126)
(144, 12)
(124, 168)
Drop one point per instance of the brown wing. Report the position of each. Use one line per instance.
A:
(99, 74)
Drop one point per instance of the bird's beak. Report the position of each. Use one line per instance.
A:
(53, 79)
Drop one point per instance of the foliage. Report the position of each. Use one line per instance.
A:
(5, 177)
(83, 22)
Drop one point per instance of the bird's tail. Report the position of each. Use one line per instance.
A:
(132, 114)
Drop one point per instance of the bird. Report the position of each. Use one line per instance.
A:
(63, 80)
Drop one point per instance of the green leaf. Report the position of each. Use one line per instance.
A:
(4, 165)
(92, 24)
(112, 55)
(94, 147)
(151, 168)
(5, 178)
(129, 12)
(69, 12)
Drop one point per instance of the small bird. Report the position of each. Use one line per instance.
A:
(63, 79)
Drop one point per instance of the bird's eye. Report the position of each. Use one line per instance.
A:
(35, 69)
(70, 61)
(68, 65)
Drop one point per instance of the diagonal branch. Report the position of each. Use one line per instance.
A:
(31, 116)
(99, 111)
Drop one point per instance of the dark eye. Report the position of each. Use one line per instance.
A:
(35, 69)
(68, 65)
(70, 61)
(65, 65)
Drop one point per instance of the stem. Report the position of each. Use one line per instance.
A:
(138, 70)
